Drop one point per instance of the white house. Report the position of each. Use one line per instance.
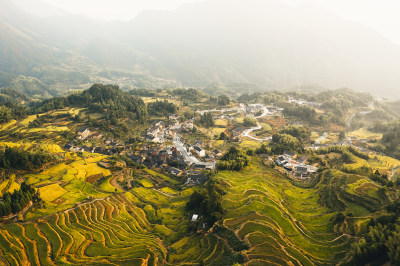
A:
(195, 217)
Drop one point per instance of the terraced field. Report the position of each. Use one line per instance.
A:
(145, 226)
(284, 224)
(103, 232)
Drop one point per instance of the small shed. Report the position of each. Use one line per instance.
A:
(195, 217)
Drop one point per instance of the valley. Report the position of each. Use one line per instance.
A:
(178, 179)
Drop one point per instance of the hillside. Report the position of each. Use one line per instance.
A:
(245, 44)
(248, 42)
(177, 177)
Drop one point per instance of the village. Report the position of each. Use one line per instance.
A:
(166, 149)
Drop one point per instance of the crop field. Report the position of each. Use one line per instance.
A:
(221, 122)
(51, 192)
(66, 184)
(104, 232)
(122, 229)
(364, 134)
(284, 224)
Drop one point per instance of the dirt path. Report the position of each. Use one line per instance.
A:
(11, 216)
(115, 184)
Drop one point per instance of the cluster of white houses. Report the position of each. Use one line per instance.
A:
(296, 166)
(159, 130)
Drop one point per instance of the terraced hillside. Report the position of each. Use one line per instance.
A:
(145, 226)
(284, 224)
(104, 232)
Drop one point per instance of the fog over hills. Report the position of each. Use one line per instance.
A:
(264, 42)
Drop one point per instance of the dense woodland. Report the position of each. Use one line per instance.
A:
(13, 158)
(162, 108)
(235, 159)
(381, 243)
(18, 200)
(207, 203)
(106, 99)
(206, 120)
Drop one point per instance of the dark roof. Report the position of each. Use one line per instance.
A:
(198, 148)
(302, 159)
(289, 153)
(281, 158)
(302, 169)
(82, 129)
(68, 146)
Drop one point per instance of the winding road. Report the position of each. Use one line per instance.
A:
(247, 132)
(371, 107)
(188, 157)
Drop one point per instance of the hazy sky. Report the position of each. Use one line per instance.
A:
(381, 15)
(115, 9)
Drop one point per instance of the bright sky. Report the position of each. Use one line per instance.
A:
(381, 15)
(115, 9)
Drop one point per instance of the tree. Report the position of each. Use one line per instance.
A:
(5, 114)
(206, 120)
(342, 135)
(249, 122)
(223, 100)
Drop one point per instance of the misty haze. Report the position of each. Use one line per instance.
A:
(199, 132)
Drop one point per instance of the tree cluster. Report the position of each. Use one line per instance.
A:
(18, 200)
(235, 159)
(249, 122)
(163, 108)
(207, 203)
(13, 158)
(223, 100)
(206, 120)
(301, 133)
(189, 94)
(109, 100)
(381, 242)
(282, 142)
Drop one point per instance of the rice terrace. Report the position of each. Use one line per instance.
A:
(201, 132)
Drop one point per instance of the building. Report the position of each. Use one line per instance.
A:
(96, 136)
(83, 133)
(302, 160)
(302, 171)
(217, 153)
(281, 160)
(289, 154)
(187, 125)
(199, 151)
(195, 218)
(175, 171)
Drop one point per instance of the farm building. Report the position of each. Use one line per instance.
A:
(83, 133)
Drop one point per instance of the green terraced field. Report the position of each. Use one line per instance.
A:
(108, 231)
(280, 223)
(284, 224)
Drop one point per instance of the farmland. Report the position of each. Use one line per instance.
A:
(285, 224)
(108, 200)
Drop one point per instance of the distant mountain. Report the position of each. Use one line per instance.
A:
(268, 43)
(22, 46)
(261, 42)
(39, 8)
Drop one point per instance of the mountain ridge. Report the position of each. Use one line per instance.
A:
(266, 43)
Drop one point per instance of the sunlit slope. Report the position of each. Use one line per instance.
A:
(285, 224)
(104, 232)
